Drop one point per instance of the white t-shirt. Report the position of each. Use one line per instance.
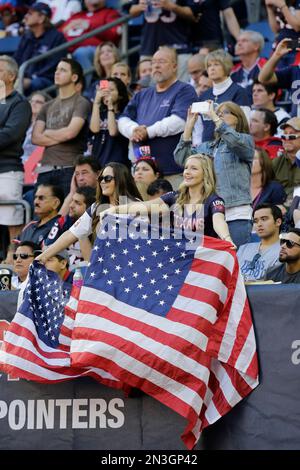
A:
(62, 10)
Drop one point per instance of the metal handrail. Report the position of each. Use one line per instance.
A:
(123, 21)
(20, 202)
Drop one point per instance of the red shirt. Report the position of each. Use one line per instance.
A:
(85, 21)
(271, 144)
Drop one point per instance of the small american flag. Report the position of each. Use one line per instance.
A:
(31, 348)
(171, 321)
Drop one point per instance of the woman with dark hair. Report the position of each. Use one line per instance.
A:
(145, 171)
(115, 181)
(232, 152)
(108, 144)
(263, 187)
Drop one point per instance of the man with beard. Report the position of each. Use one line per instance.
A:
(289, 271)
(155, 116)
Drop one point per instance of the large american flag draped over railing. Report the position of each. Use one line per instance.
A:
(32, 348)
(173, 322)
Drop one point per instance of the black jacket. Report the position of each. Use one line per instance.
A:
(15, 118)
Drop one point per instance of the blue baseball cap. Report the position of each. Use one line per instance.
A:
(41, 8)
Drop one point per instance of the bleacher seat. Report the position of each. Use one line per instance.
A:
(9, 45)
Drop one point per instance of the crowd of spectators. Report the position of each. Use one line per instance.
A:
(104, 129)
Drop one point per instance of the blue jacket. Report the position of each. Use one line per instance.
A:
(233, 154)
(30, 46)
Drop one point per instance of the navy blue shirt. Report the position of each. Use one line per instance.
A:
(212, 205)
(288, 78)
(108, 149)
(208, 28)
(30, 46)
(273, 193)
(37, 233)
(149, 106)
(234, 93)
(165, 28)
(246, 78)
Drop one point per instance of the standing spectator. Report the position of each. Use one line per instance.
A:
(257, 257)
(248, 47)
(285, 168)
(263, 126)
(40, 38)
(284, 20)
(287, 77)
(15, 116)
(108, 144)
(47, 202)
(61, 127)
(156, 115)
(232, 152)
(167, 23)
(218, 66)
(264, 96)
(289, 256)
(96, 15)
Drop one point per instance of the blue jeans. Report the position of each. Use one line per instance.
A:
(85, 56)
(240, 231)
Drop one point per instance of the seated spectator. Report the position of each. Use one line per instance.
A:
(59, 263)
(158, 187)
(195, 66)
(37, 101)
(95, 15)
(145, 172)
(248, 48)
(292, 217)
(108, 144)
(47, 202)
(284, 20)
(15, 116)
(263, 126)
(286, 78)
(285, 168)
(264, 96)
(61, 127)
(263, 187)
(62, 10)
(232, 153)
(11, 18)
(256, 258)
(218, 66)
(41, 37)
(82, 199)
(106, 55)
(85, 174)
(289, 256)
(22, 258)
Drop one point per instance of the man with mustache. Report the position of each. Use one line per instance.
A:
(289, 256)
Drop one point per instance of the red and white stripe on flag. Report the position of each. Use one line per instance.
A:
(200, 360)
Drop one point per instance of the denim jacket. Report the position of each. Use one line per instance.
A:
(233, 154)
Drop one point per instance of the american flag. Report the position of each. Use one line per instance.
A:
(168, 320)
(33, 348)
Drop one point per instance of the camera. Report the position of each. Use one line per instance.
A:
(104, 84)
(201, 107)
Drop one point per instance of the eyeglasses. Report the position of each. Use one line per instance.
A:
(254, 261)
(290, 136)
(42, 198)
(22, 256)
(106, 179)
(289, 243)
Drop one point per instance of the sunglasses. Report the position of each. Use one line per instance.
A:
(290, 136)
(22, 256)
(106, 179)
(289, 243)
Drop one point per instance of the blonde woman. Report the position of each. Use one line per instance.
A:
(195, 206)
